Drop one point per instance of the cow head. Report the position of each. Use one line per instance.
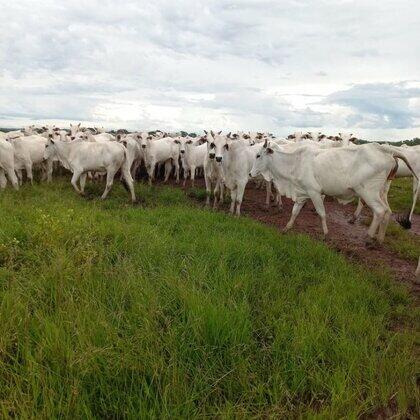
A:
(216, 146)
(261, 162)
(74, 129)
(50, 150)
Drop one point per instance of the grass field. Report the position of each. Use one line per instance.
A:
(110, 311)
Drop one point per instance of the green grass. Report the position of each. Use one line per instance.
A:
(400, 196)
(167, 311)
(403, 242)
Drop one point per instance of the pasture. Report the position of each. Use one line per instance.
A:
(166, 310)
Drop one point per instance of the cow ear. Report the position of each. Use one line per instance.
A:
(270, 150)
(205, 132)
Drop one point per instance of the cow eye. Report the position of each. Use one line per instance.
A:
(258, 156)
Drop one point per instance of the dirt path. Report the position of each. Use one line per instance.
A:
(345, 238)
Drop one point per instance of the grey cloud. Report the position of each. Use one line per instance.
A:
(377, 105)
(221, 58)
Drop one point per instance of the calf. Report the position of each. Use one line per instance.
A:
(192, 156)
(163, 150)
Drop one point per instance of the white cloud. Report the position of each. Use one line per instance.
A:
(194, 64)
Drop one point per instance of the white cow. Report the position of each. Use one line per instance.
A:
(29, 151)
(134, 151)
(213, 172)
(193, 156)
(345, 172)
(7, 165)
(238, 159)
(162, 150)
(81, 157)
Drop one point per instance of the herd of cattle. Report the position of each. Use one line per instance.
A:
(302, 166)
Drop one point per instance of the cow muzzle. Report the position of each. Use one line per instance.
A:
(143, 146)
(211, 155)
(218, 159)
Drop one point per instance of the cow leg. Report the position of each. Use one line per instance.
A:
(49, 170)
(357, 212)
(239, 196)
(20, 177)
(129, 180)
(135, 168)
(215, 193)
(318, 203)
(222, 191)
(279, 201)
(384, 224)
(82, 181)
(3, 180)
(218, 193)
(192, 169)
(109, 181)
(208, 189)
(168, 170)
(297, 207)
(268, 194)
(378, 207)
(28, 168)
(151, 171)
(185, 170)
(74, 179)
(13, 178)
(176, 164)
(233, 195)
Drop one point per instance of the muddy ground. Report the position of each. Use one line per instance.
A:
(347, 239)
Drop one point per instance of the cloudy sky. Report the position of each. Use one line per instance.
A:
(280, 66)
